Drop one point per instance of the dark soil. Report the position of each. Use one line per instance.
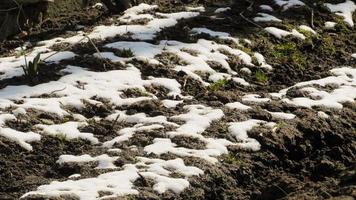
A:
(22, 171)
(305, 158)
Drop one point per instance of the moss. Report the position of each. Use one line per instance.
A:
(299, 60)
(290, 51)
(327, 45)
(234, 160)
(247, 50)
(307, 34)
(284, 49)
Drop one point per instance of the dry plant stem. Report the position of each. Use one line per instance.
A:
(54, 91)
(98, 51)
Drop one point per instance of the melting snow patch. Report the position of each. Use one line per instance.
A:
(157, 170)
(264, 17)
(282, 115)
(240, 129)
(329, 25)
(266, 8)
(197, 9)
(261, 61)
(279, 33)
(171, 103)
(68, 130)
(343, 9)
(126, 133)
(210, 32)
(307, 28)
(255, 98)
(323, 115)
(196, 120)
(286, 4)
(237, 105)
(104, 161)
(344, 82)
(221, 10)
(111, 185)
(20, 138)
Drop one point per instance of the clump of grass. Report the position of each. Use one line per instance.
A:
(124, 53)
(190, 51)
(136, 92)
(218, 85)
(61, 137)
(261, 77)
(168, 59)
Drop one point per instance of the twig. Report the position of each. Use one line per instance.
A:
(10, 9)
(312, 19)
(115, 121)
(97, 50)
(54, 91)
(281, 189)
(248, 20)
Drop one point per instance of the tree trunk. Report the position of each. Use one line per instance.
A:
(17, 12)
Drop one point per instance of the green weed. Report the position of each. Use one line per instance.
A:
(261, 77)
(31, 70)
(124, 53)
(218, 85)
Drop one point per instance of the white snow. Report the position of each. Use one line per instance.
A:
(343, 78)
(240, 129)
(197, 9)
(104, 161)
(286, 4)
(185, 117)
(157, 170)
(282, 115)
(74, 176)
(171, 103)
(210, 32)
(307, 28)
(237, 105)
(262, 62)
(343, 9)
(279, 33)
(323, 115)
(21, 138)
(330, 25)
(254, 98)
(264, 17)
(196, 120)
(115, 184)
(69, 130)
(266, 8)
(126, 133)
(221, 10)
